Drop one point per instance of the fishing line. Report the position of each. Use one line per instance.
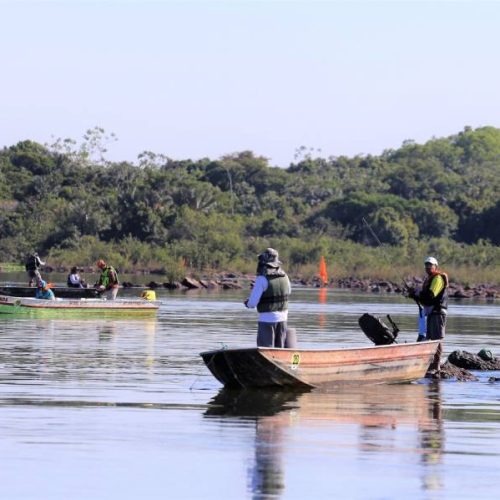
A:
(207, 365)
(421, 316)
(386, 258)
(371, 231)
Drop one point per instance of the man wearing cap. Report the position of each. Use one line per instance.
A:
(43, 291)
(32, 266)
(270, 296)
(434, 298)
(108, 281)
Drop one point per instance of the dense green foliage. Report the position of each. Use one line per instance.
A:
(163, 214)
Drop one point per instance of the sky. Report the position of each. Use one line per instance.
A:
(205, 78)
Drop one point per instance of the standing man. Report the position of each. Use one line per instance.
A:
(434, 298)
(270, 296)
(108, 281)
(33, 266)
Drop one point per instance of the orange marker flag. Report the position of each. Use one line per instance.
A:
(322, 271)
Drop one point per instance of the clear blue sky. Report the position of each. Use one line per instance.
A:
(192, 79)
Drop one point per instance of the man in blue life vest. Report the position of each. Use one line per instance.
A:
(108, 281)
(434, 298)
(270, 296)
(43, 291)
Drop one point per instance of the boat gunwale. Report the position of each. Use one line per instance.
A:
(76, 304)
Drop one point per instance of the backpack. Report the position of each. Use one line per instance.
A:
(31, 264)
(378, 332)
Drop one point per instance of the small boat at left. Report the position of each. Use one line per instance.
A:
(63, 292)
(30, 306)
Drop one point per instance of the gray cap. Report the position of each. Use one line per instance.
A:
(270, 258)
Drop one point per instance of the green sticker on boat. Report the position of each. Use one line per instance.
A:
(295, 360)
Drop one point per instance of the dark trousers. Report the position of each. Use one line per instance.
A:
(276, 335)
(271, 334)
(436, 326)
(34, 277)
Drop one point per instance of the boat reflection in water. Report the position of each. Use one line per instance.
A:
(271, 411)
(103, 348)
(383, 417)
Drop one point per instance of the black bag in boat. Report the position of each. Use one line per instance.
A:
(378, 332)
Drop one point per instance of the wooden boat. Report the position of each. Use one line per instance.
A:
(63, 307)
(310, 368)
(62, 292)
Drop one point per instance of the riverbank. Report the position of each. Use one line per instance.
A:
(233, 281)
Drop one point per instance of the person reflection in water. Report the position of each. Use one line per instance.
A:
(267, 476)
(269, 411)
(431, 442)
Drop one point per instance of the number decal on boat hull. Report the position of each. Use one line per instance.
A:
(295, 360)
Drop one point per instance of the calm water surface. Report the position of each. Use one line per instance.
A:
(99, 409)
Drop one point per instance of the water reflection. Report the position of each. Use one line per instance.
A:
(106, 332)
(431, 433)
(266, 474)
(381, 414)
(59, 349)
(322, 298)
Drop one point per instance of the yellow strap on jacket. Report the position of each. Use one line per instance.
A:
(437, 285)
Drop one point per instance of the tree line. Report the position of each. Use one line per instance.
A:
(71, 204)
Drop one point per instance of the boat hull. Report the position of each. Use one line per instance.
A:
(96, 307)
(59, 291)
(309, 368)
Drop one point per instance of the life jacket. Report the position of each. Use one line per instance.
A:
(108, 278)
(275, 297)
(426, 297)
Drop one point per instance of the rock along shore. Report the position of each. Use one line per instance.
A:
(229, 280)
(232, 281)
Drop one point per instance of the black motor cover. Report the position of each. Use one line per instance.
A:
(378, 332)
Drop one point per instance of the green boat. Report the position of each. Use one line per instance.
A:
(29, 306)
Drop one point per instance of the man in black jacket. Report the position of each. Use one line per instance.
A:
(33, 266)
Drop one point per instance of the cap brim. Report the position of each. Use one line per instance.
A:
(273, 264)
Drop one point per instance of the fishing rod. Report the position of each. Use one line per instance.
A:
(371, 231)
(407, 288)
(365, 222)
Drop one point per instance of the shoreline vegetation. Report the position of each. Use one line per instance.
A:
(232, 280)
(372, 218)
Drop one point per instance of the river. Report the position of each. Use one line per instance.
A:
(125, 409)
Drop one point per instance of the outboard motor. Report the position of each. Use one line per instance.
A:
(377, 331)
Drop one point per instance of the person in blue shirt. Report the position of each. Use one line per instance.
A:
(44, 292)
